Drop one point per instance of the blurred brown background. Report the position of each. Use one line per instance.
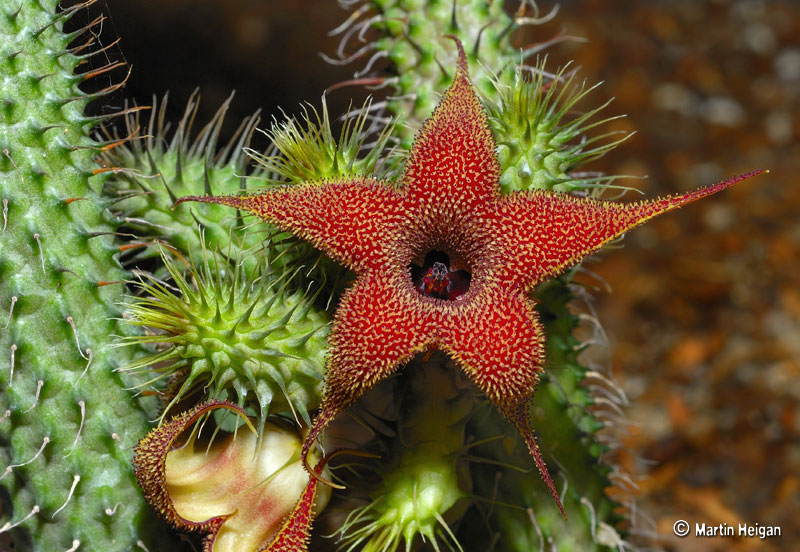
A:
(704, 316)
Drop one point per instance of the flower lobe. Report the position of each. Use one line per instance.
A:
(449, 201)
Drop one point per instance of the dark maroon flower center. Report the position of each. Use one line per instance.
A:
(436, 279)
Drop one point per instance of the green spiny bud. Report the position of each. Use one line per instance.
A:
(151, 173)
(539, 147)
(239, 335)
(307, 150)
(424, 486)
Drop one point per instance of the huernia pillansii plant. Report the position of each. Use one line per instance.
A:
(448, 206)
(433, 239)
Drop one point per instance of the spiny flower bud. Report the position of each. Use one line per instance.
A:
(308, 151)
(250, 338)
(427, 481)
(538, 145)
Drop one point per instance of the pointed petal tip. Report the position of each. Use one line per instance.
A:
(744, 176)
(202, 199)
(295, 532)
(688, 197)
(462, 56)
(322, 420)
(518, 415)
(237, 202)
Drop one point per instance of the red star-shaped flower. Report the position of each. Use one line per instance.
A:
(450, 210)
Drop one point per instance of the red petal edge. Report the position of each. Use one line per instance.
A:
(296, 529)
(149, 467)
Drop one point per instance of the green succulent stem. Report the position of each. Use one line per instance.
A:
(68, 422)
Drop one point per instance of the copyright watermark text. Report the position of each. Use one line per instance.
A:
(683, 528)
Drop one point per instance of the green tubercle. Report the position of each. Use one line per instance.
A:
(67, 421)
(539, 145)
(233, 334)
(425, 485)
(151, 171)
(307, 150)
